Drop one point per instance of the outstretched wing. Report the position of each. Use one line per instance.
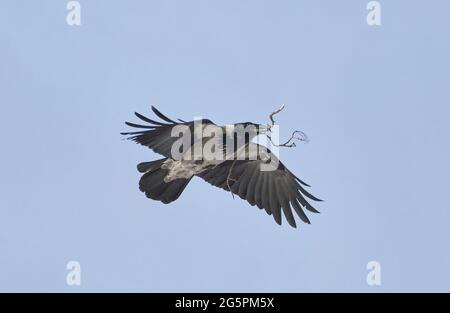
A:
(157, 135)
(275, 190)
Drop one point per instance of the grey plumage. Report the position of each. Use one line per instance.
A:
(277, 192)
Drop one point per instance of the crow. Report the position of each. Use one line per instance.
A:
(232, 162)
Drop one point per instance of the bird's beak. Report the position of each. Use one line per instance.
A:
(262, 129)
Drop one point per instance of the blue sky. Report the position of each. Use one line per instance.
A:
(373, 100)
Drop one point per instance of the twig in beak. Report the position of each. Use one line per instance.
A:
(301, 135)
(273, 113)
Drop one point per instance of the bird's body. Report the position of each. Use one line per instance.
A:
(184, 168)
(222, 156)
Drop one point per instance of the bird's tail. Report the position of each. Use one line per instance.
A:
(153, 185)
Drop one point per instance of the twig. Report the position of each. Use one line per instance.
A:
(275, 112)
(303, 137)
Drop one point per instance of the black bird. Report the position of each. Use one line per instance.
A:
(164, 180)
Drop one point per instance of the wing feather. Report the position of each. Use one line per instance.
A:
(278, 192)
(158, 135)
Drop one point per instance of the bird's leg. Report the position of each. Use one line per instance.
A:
(236, 156)
(229, 177)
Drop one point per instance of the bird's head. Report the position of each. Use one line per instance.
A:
(252, 129)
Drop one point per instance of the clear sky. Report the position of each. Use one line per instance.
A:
(373, 100)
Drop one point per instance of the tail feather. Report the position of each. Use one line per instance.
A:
(153, 185)
(145, 167)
